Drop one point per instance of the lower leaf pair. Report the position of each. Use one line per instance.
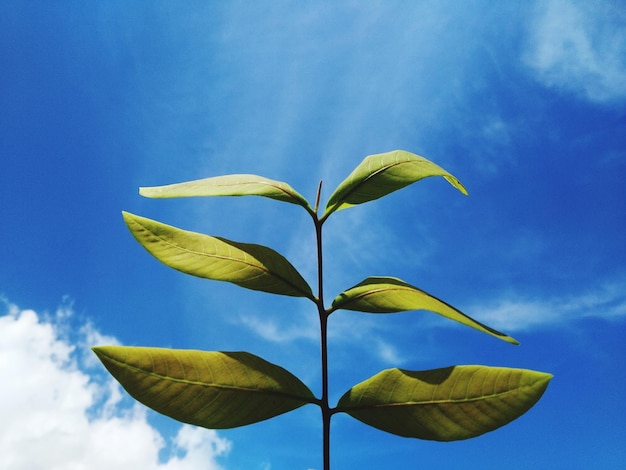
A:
(219, 390)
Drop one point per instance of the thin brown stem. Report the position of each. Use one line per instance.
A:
(323, 316)
(326, 411)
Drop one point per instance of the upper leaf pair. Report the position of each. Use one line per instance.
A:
(375, 177)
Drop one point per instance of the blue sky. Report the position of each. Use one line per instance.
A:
(524, 102)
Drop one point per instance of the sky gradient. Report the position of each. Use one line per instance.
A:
(524, 102)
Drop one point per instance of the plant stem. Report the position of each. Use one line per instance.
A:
(326, 412)
(323, 315)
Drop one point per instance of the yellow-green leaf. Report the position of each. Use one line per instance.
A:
(384, 173)
(229, 185)
(390, 295)
(446, 404)
(247, 265)
(215, 390)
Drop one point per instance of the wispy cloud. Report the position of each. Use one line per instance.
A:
(389, 353)
(311, 87)
(580, 47)
(270, 330)
(358, 330)
(606, 301)
(343, 330)
(60, 411)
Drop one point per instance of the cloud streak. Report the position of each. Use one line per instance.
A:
(606, 301)
(269, 330)
(343, 331)
(59, 411)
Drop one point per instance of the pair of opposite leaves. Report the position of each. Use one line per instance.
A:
(228, 389)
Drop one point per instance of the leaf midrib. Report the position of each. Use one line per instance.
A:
(209, 385)
(362, 182)
(284, 191)
(436, 402)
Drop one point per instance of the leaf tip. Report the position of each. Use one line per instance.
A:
(512, 341)
(149, 191)
(99, 351)
(127, 216)
(457, 184)
(546, 376)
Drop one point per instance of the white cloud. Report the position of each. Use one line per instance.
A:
(607, 301)
(580, 46)
(60, 412)
(199, 447)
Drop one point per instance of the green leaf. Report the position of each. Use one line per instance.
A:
(447, 404)
(229, 185)
(384, 173)
(215, 390)
(251, 266)
(390, 295)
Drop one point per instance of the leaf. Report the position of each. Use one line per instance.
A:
(215, 390)
(229, 185)
(390, 295)
(447, 404)
(247, 265)
(384, 173)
